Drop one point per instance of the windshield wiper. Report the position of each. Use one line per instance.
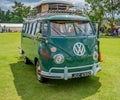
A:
(60, 34)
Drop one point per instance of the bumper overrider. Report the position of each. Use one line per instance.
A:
(68, 75)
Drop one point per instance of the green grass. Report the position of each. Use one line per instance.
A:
(18, 81)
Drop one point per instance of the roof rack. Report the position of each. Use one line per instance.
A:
(54, 12)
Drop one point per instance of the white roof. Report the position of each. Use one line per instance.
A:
(11, 25)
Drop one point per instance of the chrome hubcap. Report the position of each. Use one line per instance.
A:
(38, 71)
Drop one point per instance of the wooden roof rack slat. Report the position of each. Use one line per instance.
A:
(54, 12)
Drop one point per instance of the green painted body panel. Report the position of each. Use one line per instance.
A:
(67, 17)
(30, 46)
(64, 17)
(64, 45)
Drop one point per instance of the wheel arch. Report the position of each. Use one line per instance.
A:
(35, 60)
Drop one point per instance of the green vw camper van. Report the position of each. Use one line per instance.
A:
(62, 46)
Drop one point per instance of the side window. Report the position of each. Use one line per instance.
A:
(40, 27)
(26, 28)
(45, 29)
(33, 28)
(30, 26)
(37, 28)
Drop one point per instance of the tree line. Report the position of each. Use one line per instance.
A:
(96, 10)
(19, 12)
(100, 10)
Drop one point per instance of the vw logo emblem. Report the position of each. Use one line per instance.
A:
(79, 49)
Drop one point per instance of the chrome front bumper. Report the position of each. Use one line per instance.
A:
(67, 75)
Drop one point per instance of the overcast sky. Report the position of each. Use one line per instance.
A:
(6, 4)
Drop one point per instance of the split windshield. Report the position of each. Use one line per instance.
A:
(70, 28)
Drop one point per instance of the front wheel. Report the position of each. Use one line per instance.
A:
(38, 73)
(26, 60)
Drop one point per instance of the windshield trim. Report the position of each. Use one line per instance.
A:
(75, 30)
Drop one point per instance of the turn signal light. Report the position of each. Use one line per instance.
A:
(100, 57)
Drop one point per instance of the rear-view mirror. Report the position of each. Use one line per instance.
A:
(96, 26)
(38, 36)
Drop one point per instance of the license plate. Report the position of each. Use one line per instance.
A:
(77, 75)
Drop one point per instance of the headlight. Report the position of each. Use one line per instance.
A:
(95, 56)
(58, 59)
(53, 49)
(96, 47)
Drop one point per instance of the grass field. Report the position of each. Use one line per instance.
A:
(18, 81)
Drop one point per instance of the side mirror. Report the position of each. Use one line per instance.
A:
(96, 26)
(39, 36)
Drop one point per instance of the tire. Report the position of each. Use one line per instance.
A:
(38, 74)
(26, 60)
